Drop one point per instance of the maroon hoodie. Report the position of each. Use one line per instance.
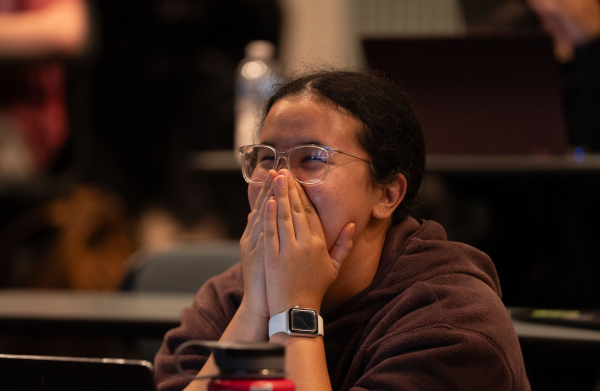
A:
(432, 319)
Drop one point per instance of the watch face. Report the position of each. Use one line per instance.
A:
(303, 321)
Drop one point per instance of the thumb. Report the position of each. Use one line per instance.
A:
(342, 246)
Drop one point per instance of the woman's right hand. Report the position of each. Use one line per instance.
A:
(253, 254)
(251, 322)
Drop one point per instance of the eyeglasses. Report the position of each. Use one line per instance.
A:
(308, 164)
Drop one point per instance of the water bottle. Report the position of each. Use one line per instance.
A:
(243, 366)
(254, 81)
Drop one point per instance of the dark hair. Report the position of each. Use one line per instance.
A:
(391, 134)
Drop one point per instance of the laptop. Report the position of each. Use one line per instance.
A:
(47, 373)
(483, 94)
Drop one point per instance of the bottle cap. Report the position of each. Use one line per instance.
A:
(249, 360)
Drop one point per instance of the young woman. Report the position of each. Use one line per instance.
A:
(339, 162)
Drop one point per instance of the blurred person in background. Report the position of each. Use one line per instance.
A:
(46, 235)
(575, 29)
(574, 26)
(156, 86)
(34, 36)
(162, 88)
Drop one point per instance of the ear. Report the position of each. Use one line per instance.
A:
(391, 195)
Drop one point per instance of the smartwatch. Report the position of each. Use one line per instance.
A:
(301, 322)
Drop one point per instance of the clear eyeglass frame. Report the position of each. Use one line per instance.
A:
(285, 154)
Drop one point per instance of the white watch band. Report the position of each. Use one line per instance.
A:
(280, 324)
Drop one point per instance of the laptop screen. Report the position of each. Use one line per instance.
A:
(47, 373)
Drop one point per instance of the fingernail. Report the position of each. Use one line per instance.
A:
(271, 205)
(281, 181)
(284, 172)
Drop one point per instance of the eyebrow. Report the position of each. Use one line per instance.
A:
(305, 143)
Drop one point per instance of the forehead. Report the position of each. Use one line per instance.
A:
(308, 120)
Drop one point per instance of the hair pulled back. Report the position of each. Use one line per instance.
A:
(391, 134)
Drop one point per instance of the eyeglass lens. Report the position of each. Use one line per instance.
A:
(308, 164)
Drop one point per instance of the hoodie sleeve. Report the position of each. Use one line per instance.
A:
(212, 310)
(437, 357)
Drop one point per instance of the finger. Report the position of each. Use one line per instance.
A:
(264, 194)
(299, 220)
(285, 226)
(342, 246)
(257, 226)
(256, 209)
(314, 223)
(260, 246)
(271, 234)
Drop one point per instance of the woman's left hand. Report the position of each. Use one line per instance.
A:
(299, 268)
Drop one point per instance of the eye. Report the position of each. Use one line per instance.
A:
(322, 159)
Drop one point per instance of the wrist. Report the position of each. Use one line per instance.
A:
(251, 315)
(246, 326)
(286, 340)
(310, 304)
(296, 321)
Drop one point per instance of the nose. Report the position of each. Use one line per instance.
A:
(282, 163)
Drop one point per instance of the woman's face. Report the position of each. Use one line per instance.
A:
(346, 194)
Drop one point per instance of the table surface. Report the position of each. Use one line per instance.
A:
(115, 313)
(530, 330)
(152, 314)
